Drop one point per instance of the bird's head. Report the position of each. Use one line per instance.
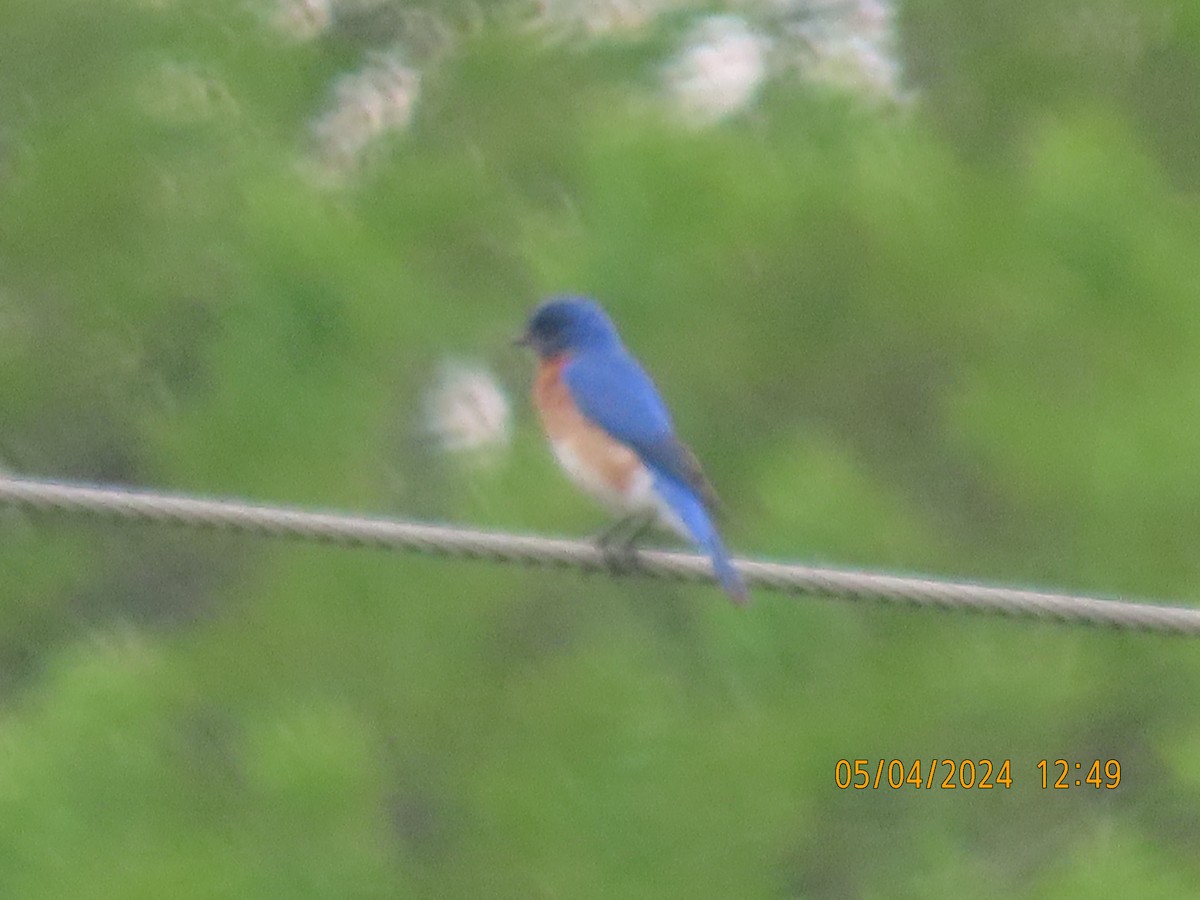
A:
(567, 325)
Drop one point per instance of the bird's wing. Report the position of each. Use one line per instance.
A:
(614, 391)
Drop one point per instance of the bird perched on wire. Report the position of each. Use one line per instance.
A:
(612, 433)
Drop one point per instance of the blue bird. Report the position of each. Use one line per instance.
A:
(612, 433)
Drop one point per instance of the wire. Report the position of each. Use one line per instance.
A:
(234, 515)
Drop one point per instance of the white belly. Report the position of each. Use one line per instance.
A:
(637, 497)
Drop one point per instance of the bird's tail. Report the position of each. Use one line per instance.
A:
(700, 528)
(726, 572)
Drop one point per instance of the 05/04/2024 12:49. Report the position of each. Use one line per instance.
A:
(981, 774)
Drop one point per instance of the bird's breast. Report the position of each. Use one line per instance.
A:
(597, 462)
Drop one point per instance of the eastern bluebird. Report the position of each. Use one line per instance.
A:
(611, 431)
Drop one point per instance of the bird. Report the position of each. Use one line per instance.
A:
(614, 437)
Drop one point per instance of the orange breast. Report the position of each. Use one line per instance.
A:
(604, 460)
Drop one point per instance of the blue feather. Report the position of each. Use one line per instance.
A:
(612, 390)
(690, 509)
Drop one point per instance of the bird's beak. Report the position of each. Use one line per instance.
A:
(522, 340)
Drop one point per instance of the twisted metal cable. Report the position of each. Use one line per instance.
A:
(176, 509)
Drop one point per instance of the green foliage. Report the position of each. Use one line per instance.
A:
(958, 337)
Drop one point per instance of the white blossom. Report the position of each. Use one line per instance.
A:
(468, 411)
(848, 44)
(366, 104)
(302, 20)
(719, 71)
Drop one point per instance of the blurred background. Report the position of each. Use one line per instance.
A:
(919, 281)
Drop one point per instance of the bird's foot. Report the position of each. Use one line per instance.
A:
(619, 559)
(617, 543)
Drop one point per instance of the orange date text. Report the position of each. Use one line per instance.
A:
(925, 774)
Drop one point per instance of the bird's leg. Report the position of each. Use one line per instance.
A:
(615, 534)
(617, 541)
(640, 523)
(609, 534)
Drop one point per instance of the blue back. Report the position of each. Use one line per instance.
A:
(614, 391)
